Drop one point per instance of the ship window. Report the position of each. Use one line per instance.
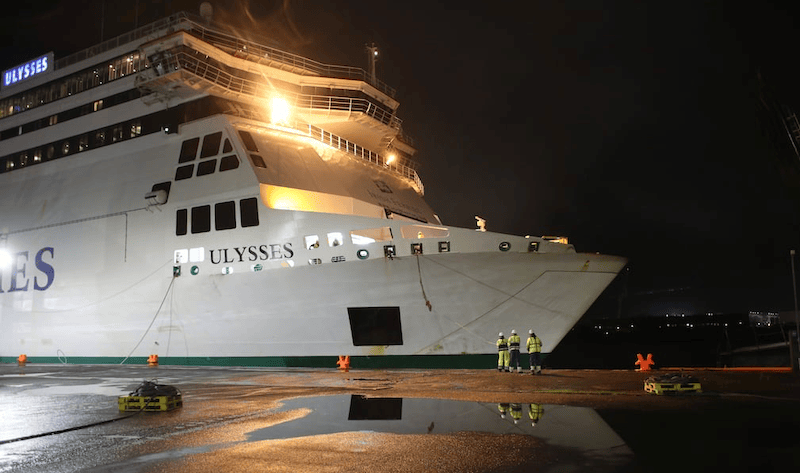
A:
(211, 145)
(416, 248)
(100, 138)
(258, 161)
(184, 172)
(180, 222)
(201, 219)
(248, 141)
(375, 326)
(225, 215)
(533, 247)
(335, 239)
(444, 247)
(227, 147)
(370, 235)
(65, 148)
(189, 150)
(424, 231)
(312, 241)
(83, 143)
(37, 155)
(116, 134)
(228, 162)
(207, 167)
(249, 212)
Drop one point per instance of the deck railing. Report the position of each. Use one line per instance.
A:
(251, 49)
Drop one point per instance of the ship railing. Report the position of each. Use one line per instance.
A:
(250, 49)
(204, 69)
(399, 165)
(404, 167)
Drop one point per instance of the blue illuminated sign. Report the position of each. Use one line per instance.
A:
(28, 70)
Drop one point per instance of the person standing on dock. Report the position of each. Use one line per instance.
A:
(534, 352)
(513, 351)
(502, 353)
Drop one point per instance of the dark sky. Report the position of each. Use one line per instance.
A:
(631, 127)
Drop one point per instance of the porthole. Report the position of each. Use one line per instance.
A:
(362, 253)
(504, 246)
(195, 270)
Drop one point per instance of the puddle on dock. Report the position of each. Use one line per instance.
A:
(577, 428)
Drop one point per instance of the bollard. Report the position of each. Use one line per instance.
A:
(153, 360)
(22, 359)
(644, 364)
(344, 363)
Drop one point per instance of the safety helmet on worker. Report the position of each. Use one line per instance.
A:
(513, 332)
(530, 332)
(500, 334)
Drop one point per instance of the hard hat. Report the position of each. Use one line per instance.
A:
(513, 332)
(530, 331)
(500, 334)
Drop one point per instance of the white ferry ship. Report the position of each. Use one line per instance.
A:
(184, 192)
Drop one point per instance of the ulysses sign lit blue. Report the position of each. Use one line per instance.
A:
(28, 70)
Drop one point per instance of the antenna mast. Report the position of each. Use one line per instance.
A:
(372, 50)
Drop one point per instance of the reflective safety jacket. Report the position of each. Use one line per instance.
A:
(513, 342)
(534, 344)
(502, 344)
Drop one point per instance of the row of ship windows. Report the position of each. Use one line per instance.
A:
(198, 219)
(76, 144)
(66, 115)
(210, 148)
(73, 84)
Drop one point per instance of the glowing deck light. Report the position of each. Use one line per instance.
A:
(390, 159)
(279, 110)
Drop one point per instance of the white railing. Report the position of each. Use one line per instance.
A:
(203, 68)
(250, 49)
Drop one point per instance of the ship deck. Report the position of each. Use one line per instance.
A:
(235, 419)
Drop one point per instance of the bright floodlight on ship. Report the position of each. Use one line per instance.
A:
(279, 110)
(5, 258)
(390, 158)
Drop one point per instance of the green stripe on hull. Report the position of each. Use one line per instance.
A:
(356, 362)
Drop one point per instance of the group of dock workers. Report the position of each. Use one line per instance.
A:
(508, 352)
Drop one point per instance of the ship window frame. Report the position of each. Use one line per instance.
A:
(227, 163)
(227, 147)
(225, 215)
(258, 161)
(211, 144)
(181, 222)
(248, 141)
(184, 172)
(201, 219)
(311, 242)
(248, 212)
(204, 168)
(189, 150)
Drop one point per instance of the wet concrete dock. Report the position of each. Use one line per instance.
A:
(65, 418)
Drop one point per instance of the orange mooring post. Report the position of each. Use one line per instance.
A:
(644, 364)
(153, 360)
(344, 363)
(22, 359)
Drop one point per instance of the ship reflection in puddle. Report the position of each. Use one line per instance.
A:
(579, 428)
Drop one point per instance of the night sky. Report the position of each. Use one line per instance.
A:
(633, 128)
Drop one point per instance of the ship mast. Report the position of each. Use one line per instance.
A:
(372, 51)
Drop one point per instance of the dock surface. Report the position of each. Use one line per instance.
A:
(65, 418)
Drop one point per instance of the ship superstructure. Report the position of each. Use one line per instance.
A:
(182, 191)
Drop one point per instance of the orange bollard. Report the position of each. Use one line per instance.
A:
(22, 359)
(344, 363)
(153, 360)
(644, 364)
